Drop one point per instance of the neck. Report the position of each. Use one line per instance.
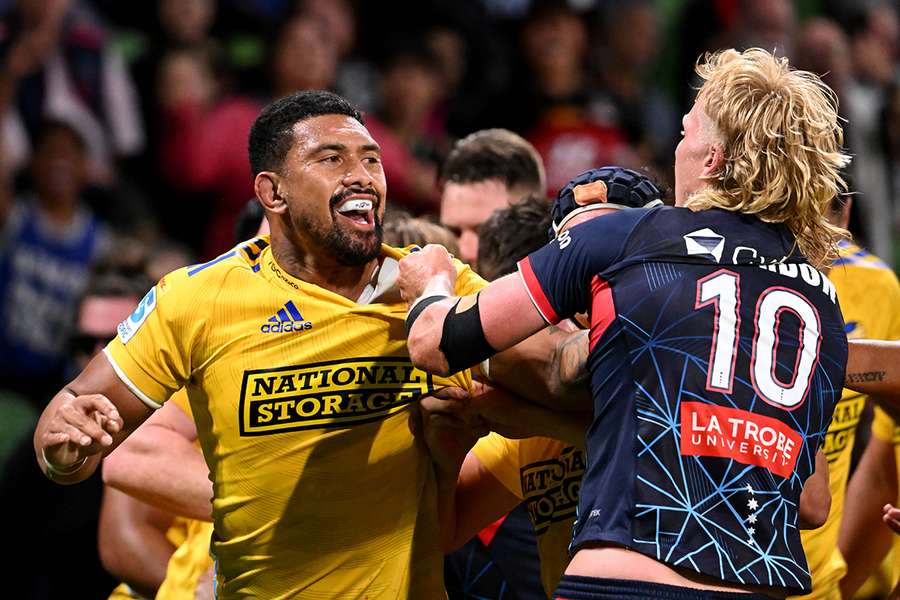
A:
(61, 213)
(322, 269)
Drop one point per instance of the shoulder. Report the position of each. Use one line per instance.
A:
(205, 278)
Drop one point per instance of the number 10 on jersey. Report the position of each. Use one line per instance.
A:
(722, 290)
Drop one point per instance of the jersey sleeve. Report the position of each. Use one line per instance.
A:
(558, 276)
(500, 457)
(151, 352)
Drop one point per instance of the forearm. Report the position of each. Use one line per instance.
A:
(543, 370)
(864, 539)
(873, 367)
(170, 475)
(516, 418)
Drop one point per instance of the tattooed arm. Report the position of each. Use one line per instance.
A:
(549, 369)
(873, 367)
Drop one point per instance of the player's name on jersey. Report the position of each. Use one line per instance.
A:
(551, 488)
(326, 395)
(803, 271)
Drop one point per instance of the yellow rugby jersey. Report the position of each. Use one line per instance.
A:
(177, 533)
(546, 474)
(870, 302)
(885, 578)
(302, 400)
(188, 564)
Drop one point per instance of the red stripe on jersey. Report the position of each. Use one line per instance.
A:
(488, 534)
(603, 310)
(536, 292)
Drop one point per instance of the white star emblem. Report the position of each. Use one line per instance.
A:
(751, 541)
(752, 504)
(752, 518)
(749, 489)
(751, 530)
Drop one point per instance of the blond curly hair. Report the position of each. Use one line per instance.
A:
(782, 139)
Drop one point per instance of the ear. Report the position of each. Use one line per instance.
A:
(713, 161)
(266, 185)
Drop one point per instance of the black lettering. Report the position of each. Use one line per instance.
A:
(343, 376)
(286, 384)
(304, 379)
(266, 384)
(385, 371)
(408, 375)
(365, 374)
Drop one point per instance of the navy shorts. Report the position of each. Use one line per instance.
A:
(575, 587)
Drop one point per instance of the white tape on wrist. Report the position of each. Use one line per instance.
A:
(66, 470)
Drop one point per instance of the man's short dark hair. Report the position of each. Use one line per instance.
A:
(495, 154)
(272, 134)
(511, 234)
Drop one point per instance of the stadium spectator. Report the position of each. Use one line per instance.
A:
(198, 154)
(58, 64)
(50, 241)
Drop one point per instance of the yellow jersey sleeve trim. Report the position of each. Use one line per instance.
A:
(130, 384)
(500, 457)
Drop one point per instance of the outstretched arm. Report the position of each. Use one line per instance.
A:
(873, 367)
(84, 421)
(452, 333)
(160, 465)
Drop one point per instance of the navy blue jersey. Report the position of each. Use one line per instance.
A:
(717, 354)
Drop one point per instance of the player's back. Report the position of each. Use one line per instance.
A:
(717, 355)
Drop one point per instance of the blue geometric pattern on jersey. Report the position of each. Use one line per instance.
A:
(731, 516)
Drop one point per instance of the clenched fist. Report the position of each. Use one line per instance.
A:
(428, 270)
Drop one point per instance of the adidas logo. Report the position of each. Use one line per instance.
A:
(287, 319)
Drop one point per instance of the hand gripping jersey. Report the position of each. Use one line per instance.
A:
(302, 400)
(716, 357)
(870, 303)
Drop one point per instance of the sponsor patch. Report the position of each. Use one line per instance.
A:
(328, 395)
(551, 488)
(749, 438)
(130, 326)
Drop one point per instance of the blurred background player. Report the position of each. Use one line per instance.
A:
(869, 295)
(486, 171)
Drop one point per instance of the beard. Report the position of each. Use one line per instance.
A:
(350, 247)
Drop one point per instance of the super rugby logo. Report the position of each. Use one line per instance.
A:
(129, 326)
(328, 395)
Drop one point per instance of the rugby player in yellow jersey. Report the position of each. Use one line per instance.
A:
(864, 540)
(870, 302)
(292, 349)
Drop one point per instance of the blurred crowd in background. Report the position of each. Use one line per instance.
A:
(123, 125)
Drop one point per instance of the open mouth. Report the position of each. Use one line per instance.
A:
(360, 211)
